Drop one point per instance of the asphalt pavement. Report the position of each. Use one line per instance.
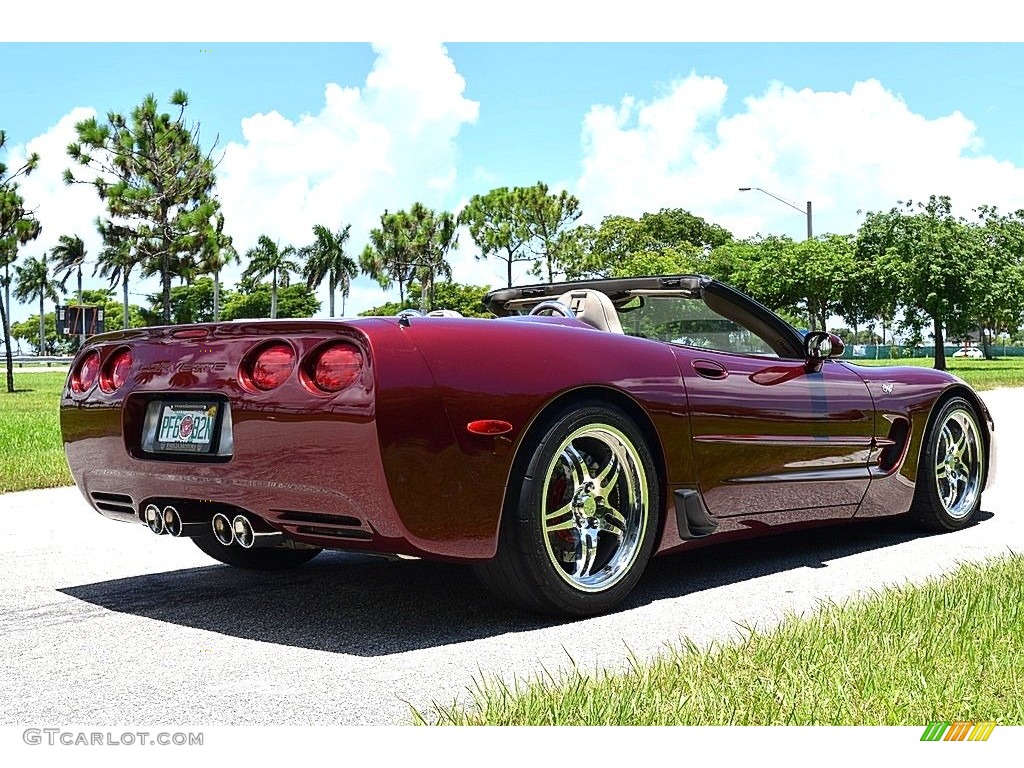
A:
(104, 623)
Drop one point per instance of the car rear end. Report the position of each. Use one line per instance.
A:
(271, 421)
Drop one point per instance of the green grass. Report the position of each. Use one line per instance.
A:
(980, 374)
(947, 650)
(31, 451)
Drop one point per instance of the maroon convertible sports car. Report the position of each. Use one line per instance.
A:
(555, 448)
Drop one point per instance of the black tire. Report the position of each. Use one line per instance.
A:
(256, 559)
(576, 537)
(951, 472)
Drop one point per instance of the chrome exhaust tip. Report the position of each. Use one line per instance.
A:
(243, 531)
(154, 519)
(222, 529)
(172, 521)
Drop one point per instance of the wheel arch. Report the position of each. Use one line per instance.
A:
(980, 411)
(579, 397)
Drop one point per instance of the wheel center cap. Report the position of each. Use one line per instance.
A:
(585, 503)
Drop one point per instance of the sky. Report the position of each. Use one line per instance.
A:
(335, 133)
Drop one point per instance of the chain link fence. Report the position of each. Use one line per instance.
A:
(902, 352)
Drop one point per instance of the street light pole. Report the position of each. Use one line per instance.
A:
(807, 212)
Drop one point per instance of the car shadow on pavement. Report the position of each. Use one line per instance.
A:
(369, 606)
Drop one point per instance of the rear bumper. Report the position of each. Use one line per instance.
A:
(319, 479)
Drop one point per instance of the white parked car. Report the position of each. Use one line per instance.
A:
(972, 353)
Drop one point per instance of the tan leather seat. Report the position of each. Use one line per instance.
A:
(593, 308)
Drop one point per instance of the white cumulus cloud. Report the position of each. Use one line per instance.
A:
(61, 209)
(845, 151)
(383, 146)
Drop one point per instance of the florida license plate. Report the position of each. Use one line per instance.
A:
(187, 427)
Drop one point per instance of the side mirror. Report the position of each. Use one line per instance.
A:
(819, 345)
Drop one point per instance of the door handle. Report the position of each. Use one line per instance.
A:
(709, 370)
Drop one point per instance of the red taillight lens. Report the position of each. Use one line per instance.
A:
(336, 367)
(83, 379)
(115, 372)
(272, 366)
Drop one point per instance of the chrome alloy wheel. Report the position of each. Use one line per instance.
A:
(596, 507)
(959, 463)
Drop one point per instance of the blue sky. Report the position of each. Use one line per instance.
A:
(627, 127)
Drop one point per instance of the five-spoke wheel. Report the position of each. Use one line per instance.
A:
(578, 534)
(595, 507)
(951, 472)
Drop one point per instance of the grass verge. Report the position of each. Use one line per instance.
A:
(980, 374)
(947, 650)
(31, 450)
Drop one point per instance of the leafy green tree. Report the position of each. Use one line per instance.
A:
(467, 300)
(17, 227)
(497, 223)
(28, 331)
(326, 259)
(809, 277)
(934, 257)
(34, 282)
(269, 258)
(548, 220)
(999, 307)
(295, 300)
(411, 246)
(676, 227)
(671, 241)
(193, 303)
(156, 183)
(733, 263)
(667, 262)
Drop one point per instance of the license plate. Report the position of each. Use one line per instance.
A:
(186, 427)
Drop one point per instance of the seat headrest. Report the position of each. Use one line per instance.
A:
(593, 308)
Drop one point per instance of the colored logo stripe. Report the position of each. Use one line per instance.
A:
(981, 732)
(958, 730)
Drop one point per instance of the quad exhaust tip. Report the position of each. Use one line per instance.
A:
(222, 529)
(238, 530)
(172, 521)
(155, 519)
(245, 536)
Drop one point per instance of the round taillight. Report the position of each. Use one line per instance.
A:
(271, 366)
(336, 367)
(115, 372)
(84, 377)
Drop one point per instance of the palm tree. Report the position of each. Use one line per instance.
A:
(217, 252)
(326, 258)
(34, 282)
(69, 256)
(268, 258)
(115, 263)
